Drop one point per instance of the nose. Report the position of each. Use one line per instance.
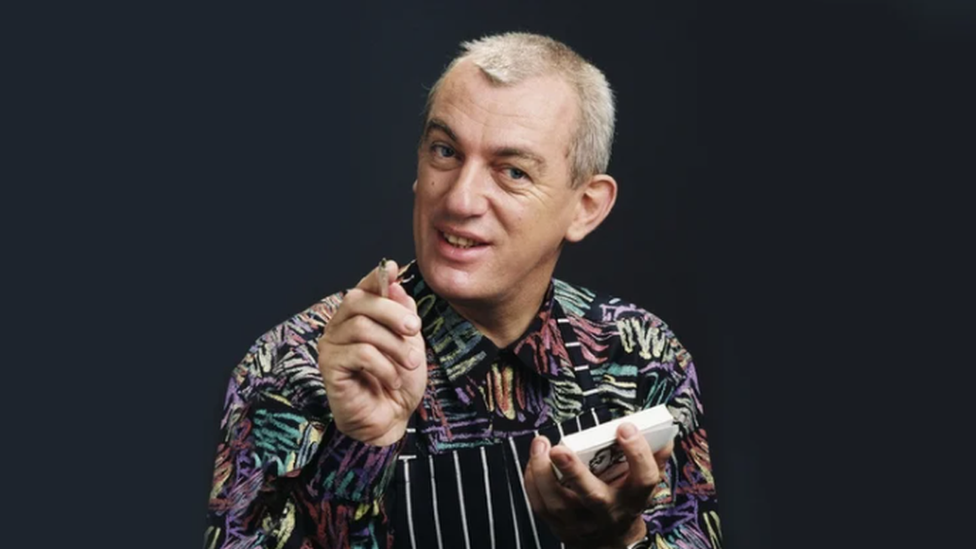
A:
(467, 195)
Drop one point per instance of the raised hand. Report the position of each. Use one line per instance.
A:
(372, 359)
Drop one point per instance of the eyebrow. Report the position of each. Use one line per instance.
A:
(509, 152)
(437, 124)
(504, 152)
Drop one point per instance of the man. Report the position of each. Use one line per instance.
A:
(421, 408)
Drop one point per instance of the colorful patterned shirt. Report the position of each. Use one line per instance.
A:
(285, 477)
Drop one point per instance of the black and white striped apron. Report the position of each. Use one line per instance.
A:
(474, 498)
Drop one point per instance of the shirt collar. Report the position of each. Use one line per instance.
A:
(463, 351)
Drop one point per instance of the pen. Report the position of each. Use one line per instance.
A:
(384, 278)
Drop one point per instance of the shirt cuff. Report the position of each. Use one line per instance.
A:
(351, 470)
(643, 543)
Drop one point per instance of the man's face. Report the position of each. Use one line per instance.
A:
(493, 200)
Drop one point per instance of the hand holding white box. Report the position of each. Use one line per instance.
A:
(597, 445)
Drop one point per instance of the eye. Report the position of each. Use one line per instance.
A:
(516, 173)
(442, 150)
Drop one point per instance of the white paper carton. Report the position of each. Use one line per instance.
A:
(597, 445)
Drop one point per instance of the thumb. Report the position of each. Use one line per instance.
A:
(399, 294)
(372, 282)
(663, 456)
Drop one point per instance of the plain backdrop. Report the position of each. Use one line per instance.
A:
(186, 177)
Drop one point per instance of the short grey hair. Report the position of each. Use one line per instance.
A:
(512, 57)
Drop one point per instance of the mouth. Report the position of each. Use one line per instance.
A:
(460, 242)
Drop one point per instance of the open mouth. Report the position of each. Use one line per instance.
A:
(460, 241)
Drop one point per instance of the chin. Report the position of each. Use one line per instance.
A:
(451, 283)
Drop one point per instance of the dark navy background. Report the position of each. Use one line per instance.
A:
(182, 178)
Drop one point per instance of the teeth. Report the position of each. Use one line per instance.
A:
(459, 241)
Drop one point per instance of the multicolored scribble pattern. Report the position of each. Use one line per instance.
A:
(285, 477)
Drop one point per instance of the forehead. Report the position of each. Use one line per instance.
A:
(539, 112)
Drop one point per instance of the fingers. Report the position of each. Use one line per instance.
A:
(531, 488)
(393, 315)
(577, 479)
(371, 282)
(399, 295)
(361, 357)
(581, 508)
(363, 329)
(387, 272)
(663, 456)
(547, 496)
(643, 474)
(397, 312)
(616, 474)
(390, 328)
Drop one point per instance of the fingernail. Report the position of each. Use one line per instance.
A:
(538, 446)
(415, 358)
(562, 460)
(411, 322)
(397, 383)
(628, 431)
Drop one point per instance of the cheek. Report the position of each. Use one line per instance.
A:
(533, 228)
(513, 214)
(428, 183)
(424, 191)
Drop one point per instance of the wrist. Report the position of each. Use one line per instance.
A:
(372, 436)
(638, 536)
(389, 438)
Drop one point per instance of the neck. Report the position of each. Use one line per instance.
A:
(503, 323)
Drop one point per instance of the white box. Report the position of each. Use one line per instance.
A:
(597, 445)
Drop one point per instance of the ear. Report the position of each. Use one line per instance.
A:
(596, 198)
(414, 186)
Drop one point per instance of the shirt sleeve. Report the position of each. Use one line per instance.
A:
(683, 508)
(283, 474)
